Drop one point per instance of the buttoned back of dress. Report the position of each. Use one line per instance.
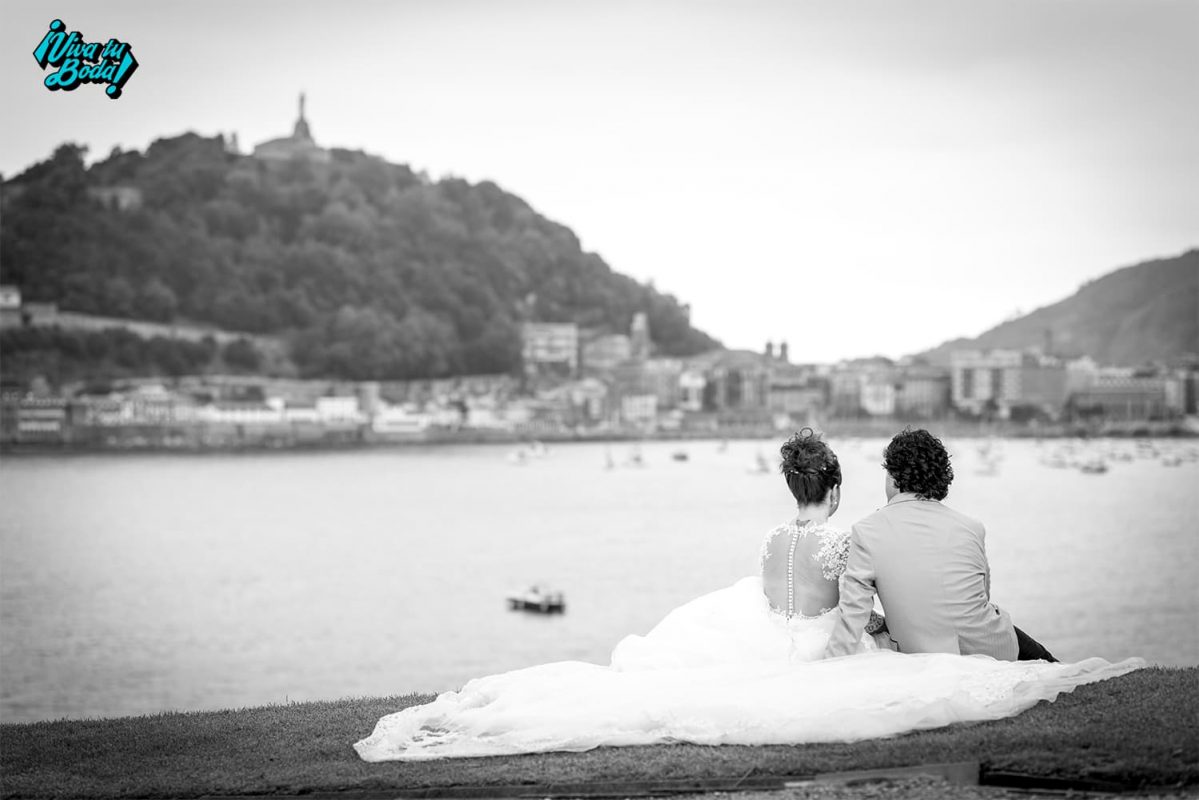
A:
(800, 564)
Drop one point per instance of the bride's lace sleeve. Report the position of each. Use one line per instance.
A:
(833, 554)
(775, 531)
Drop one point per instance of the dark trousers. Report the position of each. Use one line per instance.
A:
(1030, 648)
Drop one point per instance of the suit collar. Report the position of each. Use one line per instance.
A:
(908, 497)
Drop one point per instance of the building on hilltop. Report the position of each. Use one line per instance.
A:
(16, 312)
(300, 145)
(10, 296)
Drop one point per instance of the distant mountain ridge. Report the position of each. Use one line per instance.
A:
(1142, 313)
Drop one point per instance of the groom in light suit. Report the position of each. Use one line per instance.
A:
(928, 565)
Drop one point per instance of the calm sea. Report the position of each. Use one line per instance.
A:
(132, 584)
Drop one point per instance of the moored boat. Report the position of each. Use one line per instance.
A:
(538, 598)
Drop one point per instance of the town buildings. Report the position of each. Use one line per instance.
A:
(595, 382)
(550, 349)
(1128, 394)
(1007, 382)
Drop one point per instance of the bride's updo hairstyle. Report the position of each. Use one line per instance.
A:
(810, 467)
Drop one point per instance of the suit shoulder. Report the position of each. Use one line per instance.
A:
(871, 523)
(965, 520)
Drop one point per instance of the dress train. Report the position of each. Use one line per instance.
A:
(723, 669)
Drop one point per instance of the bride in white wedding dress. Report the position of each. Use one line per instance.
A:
(741, 665)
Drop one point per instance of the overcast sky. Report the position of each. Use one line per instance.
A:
(854, 177)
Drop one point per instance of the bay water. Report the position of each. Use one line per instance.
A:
(133, 584)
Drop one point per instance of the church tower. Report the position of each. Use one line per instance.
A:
(639, 337)
(300, 145)
(301, 129)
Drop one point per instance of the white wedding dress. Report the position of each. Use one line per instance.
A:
(741, 665)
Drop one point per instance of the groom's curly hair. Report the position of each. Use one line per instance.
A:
(919, 463)
(809, 466)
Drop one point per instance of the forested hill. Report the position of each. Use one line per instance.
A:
(367, 269)
(1147, 312)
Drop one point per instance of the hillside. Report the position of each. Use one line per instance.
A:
(1146, 312)
(366, 269)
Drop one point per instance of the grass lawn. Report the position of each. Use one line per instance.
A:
(1140, 730)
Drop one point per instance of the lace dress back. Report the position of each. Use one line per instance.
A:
(800, 564)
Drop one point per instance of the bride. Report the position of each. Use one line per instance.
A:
(741, 665)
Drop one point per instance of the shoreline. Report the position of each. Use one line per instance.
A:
(343, 441)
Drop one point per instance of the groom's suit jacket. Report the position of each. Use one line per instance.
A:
(928, 565)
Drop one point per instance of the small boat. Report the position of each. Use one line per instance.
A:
(1172, 461)
(1095, 466)
(539, 599)
(680, 455)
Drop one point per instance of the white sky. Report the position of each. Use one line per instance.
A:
(855, 177)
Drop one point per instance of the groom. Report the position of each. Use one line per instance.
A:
(928, 565)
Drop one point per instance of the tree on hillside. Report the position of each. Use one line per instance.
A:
(367, 269)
